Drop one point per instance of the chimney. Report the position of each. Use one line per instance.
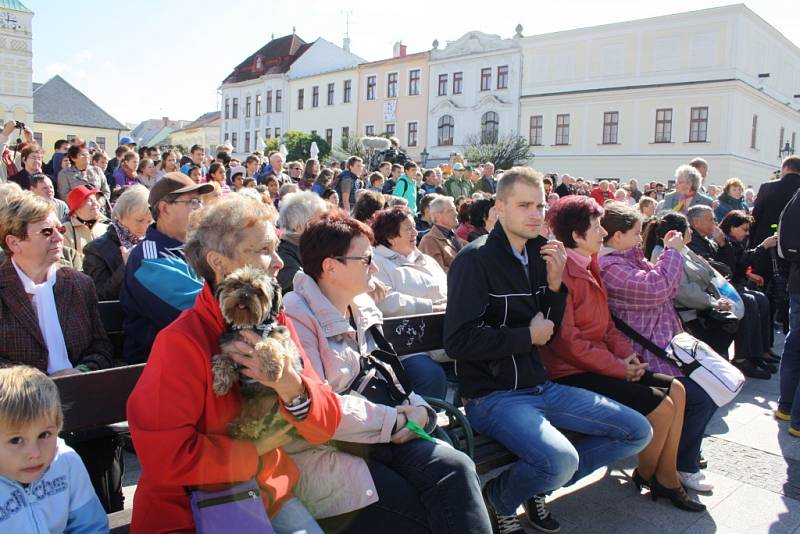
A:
(399, 50)
(346, 44)
(165, 120)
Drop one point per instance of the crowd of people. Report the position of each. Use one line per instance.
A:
(530, 271)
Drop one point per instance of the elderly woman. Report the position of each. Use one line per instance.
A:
(296, 210)
(588, 351)
(104, 258)
(86, 222)
(415, 284)
(640, 293)
(687, 191)
(180, 426)
(401, 483)
(80, 172)
(732, 198)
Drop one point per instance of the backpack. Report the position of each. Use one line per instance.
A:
(788, 236)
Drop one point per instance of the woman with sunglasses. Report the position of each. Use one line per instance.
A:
(397, 482)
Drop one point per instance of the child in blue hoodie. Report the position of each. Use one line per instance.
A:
(44, 486)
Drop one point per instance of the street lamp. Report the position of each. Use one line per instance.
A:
(786, 151)
(424, 156)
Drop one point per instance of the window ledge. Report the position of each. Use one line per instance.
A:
(561, 144)
(696, 142)
(609, 144)
(661, 143)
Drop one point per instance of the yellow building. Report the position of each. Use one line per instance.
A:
(62, 112)
(204, 132)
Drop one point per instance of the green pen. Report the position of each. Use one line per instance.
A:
(418, 430)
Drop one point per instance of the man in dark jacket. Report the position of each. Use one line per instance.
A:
(505, 298)
(772, 198)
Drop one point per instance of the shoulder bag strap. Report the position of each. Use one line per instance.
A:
(639, 338)
(387, 355)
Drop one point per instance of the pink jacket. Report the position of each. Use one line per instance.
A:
(640, 293)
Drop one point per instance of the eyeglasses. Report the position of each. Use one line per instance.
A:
(366, 260)
(49, 231)
(194, 203)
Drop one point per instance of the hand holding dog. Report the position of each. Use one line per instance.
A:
(273, 441)
(287, 385)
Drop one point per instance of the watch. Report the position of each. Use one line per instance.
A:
(298, 400)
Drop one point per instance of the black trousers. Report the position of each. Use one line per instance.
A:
(101, 452)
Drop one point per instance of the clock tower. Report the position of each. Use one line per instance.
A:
(16, 67)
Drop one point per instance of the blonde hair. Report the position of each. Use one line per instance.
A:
(18, 212)
(134, 198)
(27, 395)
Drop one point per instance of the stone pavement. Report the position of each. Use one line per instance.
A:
(752, 460)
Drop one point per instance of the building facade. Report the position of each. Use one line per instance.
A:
(474, 92)
(323, 92)
(636, 99)
(393, 99)
(203, 131)
(16, 67)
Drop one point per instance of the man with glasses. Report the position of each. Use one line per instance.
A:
(158, 283)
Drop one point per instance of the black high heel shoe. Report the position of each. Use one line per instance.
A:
(677, 496)
(639, 480)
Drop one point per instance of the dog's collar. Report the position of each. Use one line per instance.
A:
(264, 328)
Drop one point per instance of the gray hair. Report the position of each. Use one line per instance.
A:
(288, 189)
(392, 200)
(132, 200)
(439, 204)
(298, 208)
(690, 173)
(249, 192)
(695, 212)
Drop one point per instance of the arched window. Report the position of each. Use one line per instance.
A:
(489, 127)
(446, 126)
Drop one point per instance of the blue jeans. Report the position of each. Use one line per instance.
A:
(789, 401)
(426, 375)
(698, 412)
(526, 422)
(293, 518)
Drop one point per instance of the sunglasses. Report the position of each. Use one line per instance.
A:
(50, 230)
(366, 260)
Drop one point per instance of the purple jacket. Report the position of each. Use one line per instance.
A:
(121, 179)
(641, 293)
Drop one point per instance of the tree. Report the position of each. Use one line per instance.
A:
(353, 148)
(510, 150)
(298, 145)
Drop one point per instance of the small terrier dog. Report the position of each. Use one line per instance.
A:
(250, 299)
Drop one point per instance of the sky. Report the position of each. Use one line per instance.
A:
(155, 58)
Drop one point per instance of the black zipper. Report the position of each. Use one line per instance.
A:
(214, 501)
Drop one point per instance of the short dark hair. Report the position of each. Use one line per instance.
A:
(375, 177)
(215, 167)
(30, 149)
(224, 157)
(250, 159)
(618, 217)
(410, 165)
(121, 149)
(367, 204)
(792, 164)
(37, 178)
(658, 227)
(384, 164)
(58, 145)
(734, 219)
(479, 212)
(386, 224)
(573, 213)
(510, 178)
(396, 167)
(326, 236)
(74, 150)
(352, 161)
(427, 173)
(196, 147)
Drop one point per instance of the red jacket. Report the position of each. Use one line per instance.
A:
(600, 197)
(587, 340)
(179, 425)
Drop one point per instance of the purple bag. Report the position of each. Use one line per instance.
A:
(238, 508)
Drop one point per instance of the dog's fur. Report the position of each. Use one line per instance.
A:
(249, 299)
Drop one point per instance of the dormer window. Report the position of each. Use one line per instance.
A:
(259, 63)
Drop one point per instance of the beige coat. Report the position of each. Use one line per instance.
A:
(333, 482)
(78, 235)
(436, 245)
(415, 282)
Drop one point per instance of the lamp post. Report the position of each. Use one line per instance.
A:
(423, 156)
(786, 151)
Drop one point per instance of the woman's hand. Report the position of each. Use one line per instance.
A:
(674, 240)
(379, 290)
(634, 369)
(273, 441)
(418, 414)
(724, 305)
(288, 385)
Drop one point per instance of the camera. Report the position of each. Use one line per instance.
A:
(20, 125)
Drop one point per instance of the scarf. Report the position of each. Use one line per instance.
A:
(683, 203)
(44, 302)
(580, 260)
(126, 238)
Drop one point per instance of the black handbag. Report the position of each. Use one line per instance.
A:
(723, 320)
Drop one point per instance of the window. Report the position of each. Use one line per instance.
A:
(330, 94)
(247, 141)
(486, 79)
(489, 127)
(698, 125)
(663, 126)
(300, 98)
(315, 96)
(458, 82)
(101, 141)
(227, 137)
(267, 133)
(369, 129)
(445, 130)
(535, 133)
(610, 127)
(277, 133)
(412, 133)
(227, 108)
(502, 77)
(442, 84)
(235, 108)
(371, 83)
(391, 85)
(70, 137)
(258, 105)
(348, 85)
(391, 128)
(754, 131)
(345, 137)
(793, 137)
(269, 101)
(562, 129)
(278, 100)
(329, 136)
(247, 107)
(413, 82)
(233, 140)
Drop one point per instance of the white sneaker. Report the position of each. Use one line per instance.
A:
(696, 481)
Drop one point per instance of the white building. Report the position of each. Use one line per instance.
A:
(474, 92)
(255, 94)
(323, 91)
(16, 68)
(636, 99)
